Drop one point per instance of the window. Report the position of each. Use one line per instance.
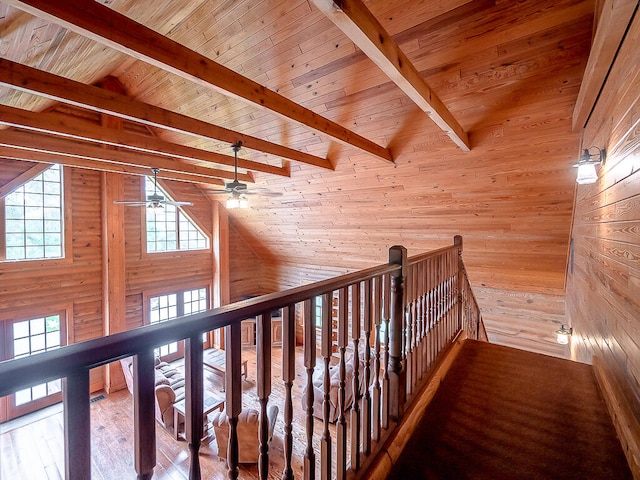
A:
(170, 229)
(173, 305)
(34, 218)
(26, 337)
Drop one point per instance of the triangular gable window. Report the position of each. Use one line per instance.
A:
(170, 229)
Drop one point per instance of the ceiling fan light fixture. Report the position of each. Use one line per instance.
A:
(237, 201)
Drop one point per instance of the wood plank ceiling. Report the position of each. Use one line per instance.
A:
(506, 74)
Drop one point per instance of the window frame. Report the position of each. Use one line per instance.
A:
(146, 311)
(143, 222)
(8, 409)
(67, 230)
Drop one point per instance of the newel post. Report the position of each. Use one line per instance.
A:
(457, 241)
(397, 374)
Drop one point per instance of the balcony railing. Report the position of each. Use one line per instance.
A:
(393, 324)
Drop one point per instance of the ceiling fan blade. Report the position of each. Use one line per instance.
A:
(264, 192)
(218, 191)
(176, 204)
(134, 203)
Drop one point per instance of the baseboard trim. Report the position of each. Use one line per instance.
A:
(627, 427)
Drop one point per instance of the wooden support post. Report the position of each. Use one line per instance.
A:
(194, 398)
(355, 423)
(263, 364)
(397, 373)
(366, 402)
(233, 386)
(144, 414)
(288, 374)
(326, 341)
(77, 426)
(341, 425)
(309, 363)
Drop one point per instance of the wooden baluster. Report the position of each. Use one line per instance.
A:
(357, 395)
(366, 402)
(341, 425)
(326, 345)
(288, 374)
(233, 386)
(263, 367)
(193, 421)
(77, 426)
(432, 312)
(144, 401)
(377, 318)
(310, 363)
(457, 241)
(397, 374)
(385, 378)
(423, 321)
(408, 323)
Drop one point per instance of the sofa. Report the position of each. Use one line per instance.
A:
(169, 388)
(248, 431)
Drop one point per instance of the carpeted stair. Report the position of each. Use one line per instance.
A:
(503, 413)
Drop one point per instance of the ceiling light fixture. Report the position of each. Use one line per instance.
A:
(563, 334)
(237, 201)
(587, 165)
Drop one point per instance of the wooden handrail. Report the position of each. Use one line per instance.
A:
(414, 307)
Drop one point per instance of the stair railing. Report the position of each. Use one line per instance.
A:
(379, 340)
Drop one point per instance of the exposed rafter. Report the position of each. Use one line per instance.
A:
(359, 24)
(32, 80)
(73, 149)
(66, 126)
(119, 32)
(14, 153)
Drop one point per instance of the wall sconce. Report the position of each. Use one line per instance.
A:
(587, 165)
(563, 333)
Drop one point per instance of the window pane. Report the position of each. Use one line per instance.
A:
(37, 343)
(21, 347)
(54, 387)
(21, 329)
(39, 391)
(36, 326)
(23, 396)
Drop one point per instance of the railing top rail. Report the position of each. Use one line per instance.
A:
(431, 254)
(23, 372)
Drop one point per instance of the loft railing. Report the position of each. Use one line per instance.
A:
(393, 323)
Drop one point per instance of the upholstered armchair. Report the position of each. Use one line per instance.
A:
(169, 388)
(248, 428)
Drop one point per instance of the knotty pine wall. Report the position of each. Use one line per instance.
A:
(603, 282)
(27, 287)
(77, 281)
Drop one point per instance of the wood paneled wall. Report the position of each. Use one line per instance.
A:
(77, 280)
(523, 320)
(603, 287)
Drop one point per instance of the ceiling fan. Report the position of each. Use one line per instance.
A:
(237, 190)
(155, 200)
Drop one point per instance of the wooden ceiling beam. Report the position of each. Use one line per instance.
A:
(364, 30)
(38, 82)
(117, 31)
(66, 126)
(70, 148)
(14, 153)
(21, 179)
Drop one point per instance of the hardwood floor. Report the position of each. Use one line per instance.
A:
(32, 446)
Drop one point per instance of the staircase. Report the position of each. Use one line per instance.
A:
(503, 413)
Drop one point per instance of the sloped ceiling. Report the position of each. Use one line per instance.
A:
(509, 72)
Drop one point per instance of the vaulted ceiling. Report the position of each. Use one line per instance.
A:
(456, 120)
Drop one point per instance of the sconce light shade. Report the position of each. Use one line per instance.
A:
(237, 201)
(587, 165)
(562, 334)
(587, 174)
